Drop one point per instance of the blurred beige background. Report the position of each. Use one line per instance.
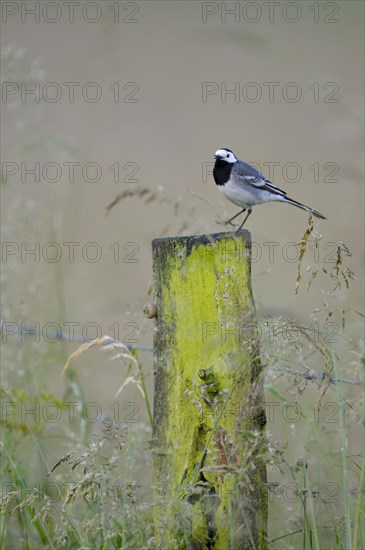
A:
(168, 53)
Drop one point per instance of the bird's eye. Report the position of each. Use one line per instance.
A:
(227, 155)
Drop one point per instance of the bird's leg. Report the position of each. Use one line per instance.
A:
(234, 217)
(244, 221)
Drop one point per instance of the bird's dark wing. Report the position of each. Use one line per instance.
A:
(248, 175)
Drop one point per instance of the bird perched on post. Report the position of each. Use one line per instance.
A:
(246, 187)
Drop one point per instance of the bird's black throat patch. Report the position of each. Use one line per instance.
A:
(222, 171)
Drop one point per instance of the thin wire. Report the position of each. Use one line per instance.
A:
(60, 335)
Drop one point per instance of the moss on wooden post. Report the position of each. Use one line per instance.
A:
(209, 476)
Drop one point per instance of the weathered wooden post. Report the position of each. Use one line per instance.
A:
(209, 477)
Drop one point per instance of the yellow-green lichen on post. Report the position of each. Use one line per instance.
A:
(209, 475)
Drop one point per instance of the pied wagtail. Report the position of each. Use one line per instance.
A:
(245, 186)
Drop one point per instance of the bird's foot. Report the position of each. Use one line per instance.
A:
(228, 222)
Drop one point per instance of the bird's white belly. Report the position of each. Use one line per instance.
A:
(244, 196)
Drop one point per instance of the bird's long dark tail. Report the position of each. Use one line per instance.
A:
(304, 207)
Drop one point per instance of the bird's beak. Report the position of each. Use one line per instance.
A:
(217, 157)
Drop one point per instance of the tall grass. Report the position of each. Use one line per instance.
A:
(90, 498)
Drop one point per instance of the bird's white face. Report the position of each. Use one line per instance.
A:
(226, 155)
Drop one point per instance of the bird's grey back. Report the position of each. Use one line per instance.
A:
(244, 169)
(244, 174)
